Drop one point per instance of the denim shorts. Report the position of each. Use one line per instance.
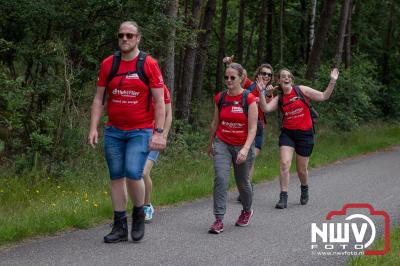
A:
(153, 155)
(126, 151)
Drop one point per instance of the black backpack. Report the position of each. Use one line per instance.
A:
(139, 71)
(300, 96)
(244, 103)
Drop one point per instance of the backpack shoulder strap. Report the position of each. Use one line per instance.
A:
(221, 100)
(113, 71)
(251, 87)
(245, 104)
(301, 96)
(140, 67)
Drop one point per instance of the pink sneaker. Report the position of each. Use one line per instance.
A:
(244, 218)
(217, 227)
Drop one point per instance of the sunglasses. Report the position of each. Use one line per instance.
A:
(229, 78)
(128, 35)
(265, 74)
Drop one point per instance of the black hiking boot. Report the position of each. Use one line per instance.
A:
(304, 195)
(137, 231)
(282, 201)
(119, 231)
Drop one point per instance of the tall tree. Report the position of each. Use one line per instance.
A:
(324, 23)
(342, 30)
(388, 45)
(203, 43)
(270, 14)
(281, 36)
(221, 45)
(347, 40)
(169, 66)
(261, 32)
(311, 33)
(239, 48)
(185, 93)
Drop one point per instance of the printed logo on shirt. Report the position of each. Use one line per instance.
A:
(232, 125)
(125, 93)
(132, 76)
(237, 109)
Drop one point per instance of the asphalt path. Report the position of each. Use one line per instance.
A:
(178, 235)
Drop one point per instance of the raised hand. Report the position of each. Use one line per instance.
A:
(334, 74)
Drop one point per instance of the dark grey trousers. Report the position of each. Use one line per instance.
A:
(224, 156)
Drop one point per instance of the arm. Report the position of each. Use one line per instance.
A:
(251, 133)
(97, 110)
(214, 127)
(320, 96)
(157, 141)
(271, 106)
(168, 119)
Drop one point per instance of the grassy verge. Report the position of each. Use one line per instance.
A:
(390, 258)
(31, 206)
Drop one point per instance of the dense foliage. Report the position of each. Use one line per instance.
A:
(50, 52)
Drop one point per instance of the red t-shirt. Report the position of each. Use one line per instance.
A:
(128, 95)
(233, 126)
(247, 83)
(256, 94)
(296, 114)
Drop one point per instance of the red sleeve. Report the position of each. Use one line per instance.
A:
(153, 72)
(216, 98)
(167, 97)
(247, 83)
(251, 99)
(104, 71)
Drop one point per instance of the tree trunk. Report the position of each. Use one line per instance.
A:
(311, 33)
(319, 41)
(185, 94)
(250, 42)
(270, 14)
(347, 40)
(203, 42)
(302, 47)
(239, 49)
(261, 32)
(169, 66)
(221, 49)
(342, 30)
(281, 13)
(388, 46)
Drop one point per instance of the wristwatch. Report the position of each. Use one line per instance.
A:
(159, 130)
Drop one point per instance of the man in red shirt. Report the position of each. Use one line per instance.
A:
(128, 136)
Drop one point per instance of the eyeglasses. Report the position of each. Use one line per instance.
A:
(128, 35)
(229, 78)
(265, 74)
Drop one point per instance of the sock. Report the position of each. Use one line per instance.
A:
(119, 215)
(137, 209)
(283, 192)
(304, 187)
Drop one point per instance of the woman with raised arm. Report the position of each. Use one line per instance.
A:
(297, 127)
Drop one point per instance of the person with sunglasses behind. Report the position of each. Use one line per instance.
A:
(297, 129)
(231, 140)
(134, 127)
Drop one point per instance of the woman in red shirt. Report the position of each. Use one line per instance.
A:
(297, 129)
(232, 141)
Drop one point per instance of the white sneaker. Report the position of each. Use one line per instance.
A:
(148, 212)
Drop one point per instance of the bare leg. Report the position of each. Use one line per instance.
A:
(136, 191)
(302, 168)
(119, 196)
(147, 181)
(286, 154)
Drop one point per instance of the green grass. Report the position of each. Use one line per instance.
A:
(390, 258)
(31, 205)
